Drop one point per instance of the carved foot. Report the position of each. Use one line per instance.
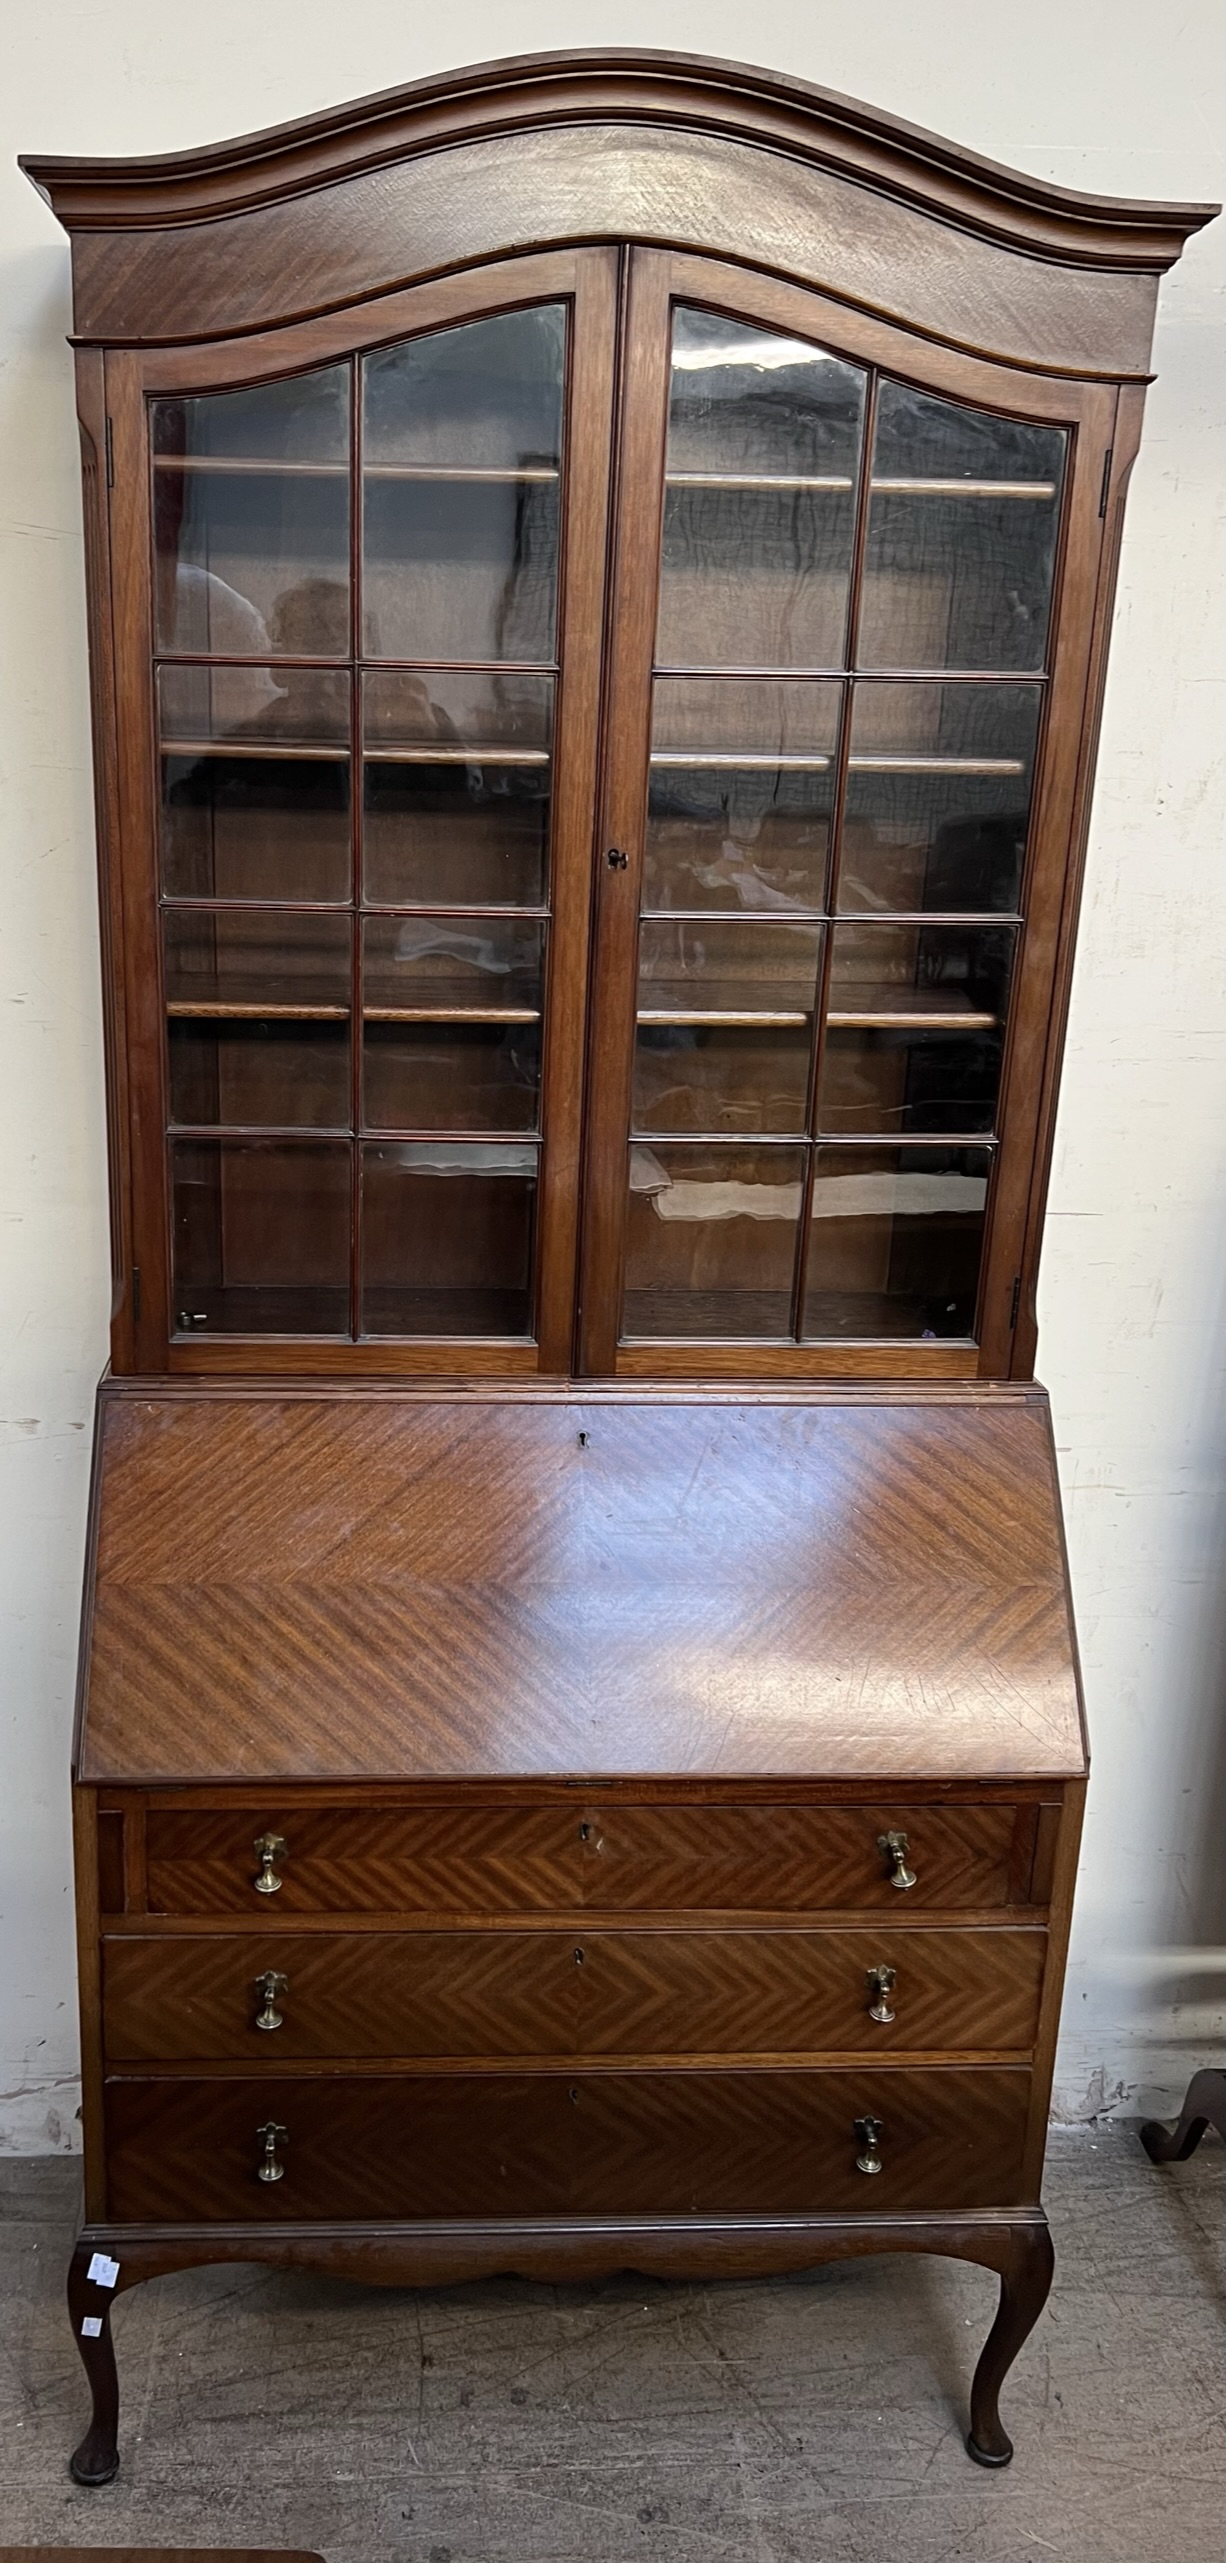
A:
(1024, 2284)
(1204, 2106)
(96, 2460)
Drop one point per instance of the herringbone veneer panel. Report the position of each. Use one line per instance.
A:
(568, 1993)
(547, 2143)
(481, 1857)
(385, 1587)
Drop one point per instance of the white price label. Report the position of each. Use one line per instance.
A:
(102, 2272)
(91, 2328)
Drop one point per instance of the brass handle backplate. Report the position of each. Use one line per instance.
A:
(881, 1981)
(269, 1848)
(268, 1986)
(271, 2136)
(895, 1847)
(869, 2132)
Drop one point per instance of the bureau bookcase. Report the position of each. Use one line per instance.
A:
(599, 572)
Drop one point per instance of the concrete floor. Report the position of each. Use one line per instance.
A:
(813, 2420)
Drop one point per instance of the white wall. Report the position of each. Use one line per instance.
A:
(1113, 95)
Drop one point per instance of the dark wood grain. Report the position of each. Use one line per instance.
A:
(543, 2144)
(622, 144)
(318, 1589)
(569, 1992)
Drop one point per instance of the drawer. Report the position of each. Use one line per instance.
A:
(550, 1992)
(684, 1856)
(607, 2144)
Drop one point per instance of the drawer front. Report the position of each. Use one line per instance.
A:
(684, 1857)
(467, 1993)
(608, 2144)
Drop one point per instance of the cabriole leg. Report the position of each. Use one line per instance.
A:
(96, 2460)
(1024, 2284)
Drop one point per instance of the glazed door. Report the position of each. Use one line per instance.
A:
(839, 796)
(363, 618)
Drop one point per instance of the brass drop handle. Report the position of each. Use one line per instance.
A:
(881, 1985)
(268, 1986)
(269, 1848)
(269, 2167)
(895, 1847)
(869, 2132)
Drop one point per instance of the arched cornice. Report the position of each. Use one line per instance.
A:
(531, 91)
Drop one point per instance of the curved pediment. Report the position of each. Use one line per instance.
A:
(499, 157)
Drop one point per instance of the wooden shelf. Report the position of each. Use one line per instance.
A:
(248, 466)
(292, 751)
(751, 761)
(451, 1014)
(872, 1008)
(244, 1010)
(378, 754)
(886, 486)
(235, 1010)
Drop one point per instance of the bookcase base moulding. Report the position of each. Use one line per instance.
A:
(599, 573)
(570, 1833)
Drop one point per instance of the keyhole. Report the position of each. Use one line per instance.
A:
(578, 1957)
(585, 1833)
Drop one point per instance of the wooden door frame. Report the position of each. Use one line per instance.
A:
(586, 278)
(658, 278)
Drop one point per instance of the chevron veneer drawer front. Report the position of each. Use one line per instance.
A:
(474, 1857)
(650, 2143)
(554, 1992)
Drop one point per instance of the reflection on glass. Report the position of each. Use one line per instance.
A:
(763, 447)
(251, 519)
(261, 1237)
(896, 1242)
(961, 536)
(914, 1028)
(457, 784)
(711, 1241)
(257, 1008)
(725, 1022)
(255, 782)
(938, 796)
(741, 784)
(452, 1023)
(461, 461)
(448, 1238)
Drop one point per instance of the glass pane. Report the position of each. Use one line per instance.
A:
(255, 961)
(961, 536)
(452, 1023)
(461, 459)
(938, 795)
(257, 1011)
(725, 1023)
(261, 1236)
(741, 783)
(896, 1242)
(457, 784)
(259, 1071)
(763, 447)
(915, 1027)
(251, 515)
(711, 1242)
(255, 783)
(448, 1239)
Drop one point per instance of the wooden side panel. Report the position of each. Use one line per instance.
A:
(547, 2144)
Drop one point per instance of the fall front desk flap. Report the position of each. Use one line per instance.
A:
(399, 1586)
